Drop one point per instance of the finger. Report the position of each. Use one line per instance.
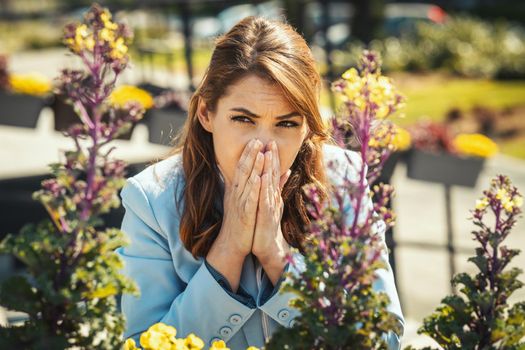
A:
(251, 198)
(267, 162)
(251, 190)
(276, 166)
(259, 165)
(245, 167)
(284, 179)
(264, 199)
(271, 194)
(269, 171)
(244, 155)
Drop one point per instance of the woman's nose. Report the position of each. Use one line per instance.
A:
(266, 135)
(265, 138)
(266, 144)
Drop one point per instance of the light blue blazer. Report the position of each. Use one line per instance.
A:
(180, 291)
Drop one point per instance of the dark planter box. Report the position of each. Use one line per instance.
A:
(63, 113)
(389, 167)
(444, 168)
(164, 123)
(20, 109)
(18, 209)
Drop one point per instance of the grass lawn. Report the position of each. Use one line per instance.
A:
(437, 98)
(434, 95)
(515, 148)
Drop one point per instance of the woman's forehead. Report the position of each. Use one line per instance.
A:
(255, 93)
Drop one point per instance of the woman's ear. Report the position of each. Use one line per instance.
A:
(204, 116)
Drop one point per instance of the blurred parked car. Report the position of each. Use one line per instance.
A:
(399, 18)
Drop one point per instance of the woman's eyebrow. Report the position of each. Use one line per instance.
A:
(253, 115)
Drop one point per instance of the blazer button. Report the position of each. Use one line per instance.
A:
(235, 319)
(213, 340)
(225, 331)
(283, 314)
(292, 323)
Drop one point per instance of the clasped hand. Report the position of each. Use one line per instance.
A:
(253, 205)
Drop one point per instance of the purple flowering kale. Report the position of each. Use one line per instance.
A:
(339, 307)
(480, 317)
(72, 280)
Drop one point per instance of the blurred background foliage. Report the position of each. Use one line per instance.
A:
(461, 56)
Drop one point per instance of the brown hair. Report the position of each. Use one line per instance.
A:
(274, 51)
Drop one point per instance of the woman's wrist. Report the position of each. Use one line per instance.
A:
(276, 255)
(274, 263)
(228, 262)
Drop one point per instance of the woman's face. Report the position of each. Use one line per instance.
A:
(253, 109)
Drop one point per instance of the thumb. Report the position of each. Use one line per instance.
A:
(284, 178)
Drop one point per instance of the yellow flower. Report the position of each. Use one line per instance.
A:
(130, 345)
(219, 344)
(164, 328)
(179, 344)
(103, 292)
(402, 139)
(119, 49)
(397, 138)
(83, 39)
(106, 35)
(477, 145)
(518, 201)
(126, 93)
(482, 203)
(31, 84)
(370, 89)
(89, 43)
(506, 202)
(193, 342)
(155, 341)
(106, 19)
(158, 337)
(502, 193)
(382, 93)
(351, 75)
(252, 348)
(81, 31)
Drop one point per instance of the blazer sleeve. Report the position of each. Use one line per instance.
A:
(242, 295)
(165, 297)
(271, 290)
(274, 302)
(385, 278)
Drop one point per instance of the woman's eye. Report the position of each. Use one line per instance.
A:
(284, 124)
(241, 119)
(288, 124)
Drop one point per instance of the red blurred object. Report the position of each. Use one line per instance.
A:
(437, 14)
(432, 137)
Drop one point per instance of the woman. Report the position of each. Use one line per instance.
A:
(210, 224)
